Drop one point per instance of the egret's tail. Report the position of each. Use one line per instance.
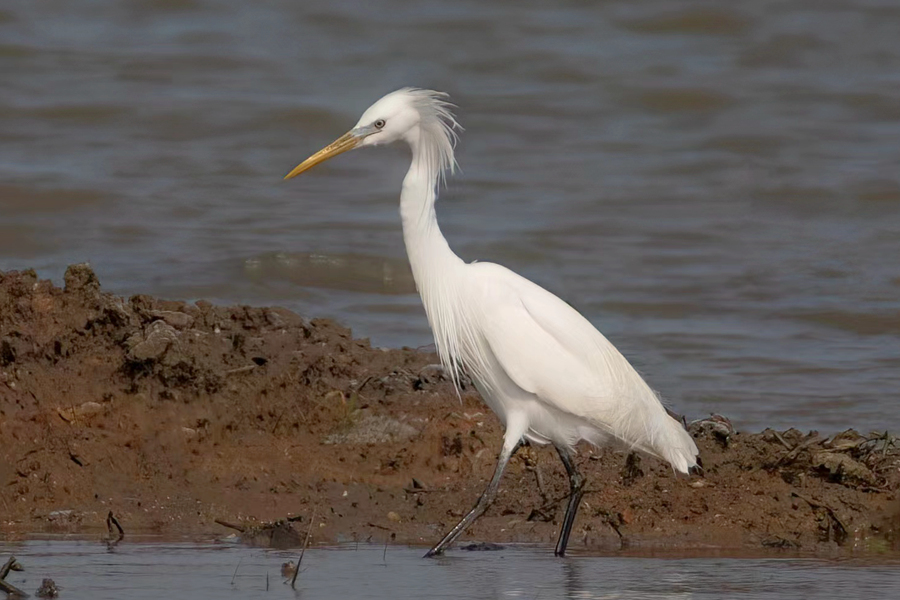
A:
(676, 445)
(646, 426)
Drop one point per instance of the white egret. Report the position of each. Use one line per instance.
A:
(546, 372)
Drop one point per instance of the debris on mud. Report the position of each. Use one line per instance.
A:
(113, 538)
(480, 547)
(48, 589)
(278, 534)
(173, 415)
(9, 589)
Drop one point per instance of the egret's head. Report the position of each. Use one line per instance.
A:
(421, 117)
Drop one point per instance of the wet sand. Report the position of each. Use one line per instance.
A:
(175, 415)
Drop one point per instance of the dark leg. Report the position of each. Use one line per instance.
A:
(483, 502)
(576, 487)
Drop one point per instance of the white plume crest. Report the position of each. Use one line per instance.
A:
(438, 127)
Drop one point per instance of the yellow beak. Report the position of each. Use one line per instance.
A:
(348, 141)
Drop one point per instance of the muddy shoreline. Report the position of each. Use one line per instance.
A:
(175, 415)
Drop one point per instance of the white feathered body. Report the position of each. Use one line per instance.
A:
(543, 368)
(534, 357)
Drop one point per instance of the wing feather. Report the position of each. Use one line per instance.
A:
(551, 351)
(548, 348)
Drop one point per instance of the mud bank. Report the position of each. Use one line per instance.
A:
(174, 415)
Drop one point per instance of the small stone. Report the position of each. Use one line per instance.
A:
(392, 516)
(152, 343)
(60, 515)
(375, 429)
(841, 467)
(274, 319)
(88, 409)
(48, 589)
(118, 311)
(288, 568)
(719, 427)
(178, 320)
(81, 278)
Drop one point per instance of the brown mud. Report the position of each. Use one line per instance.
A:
(175, 415)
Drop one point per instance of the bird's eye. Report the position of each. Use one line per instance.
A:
(379, 124)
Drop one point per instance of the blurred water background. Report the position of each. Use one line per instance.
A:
(716, 186)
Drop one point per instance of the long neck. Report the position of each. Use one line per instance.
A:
(435, 267)
(429, 254)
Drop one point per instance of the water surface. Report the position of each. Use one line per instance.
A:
(716, 187)
(198, 571)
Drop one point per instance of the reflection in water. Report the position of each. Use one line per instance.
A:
(573, 585)
(199, 571)
(715, 187)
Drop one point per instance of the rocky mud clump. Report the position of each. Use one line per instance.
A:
(175, 416)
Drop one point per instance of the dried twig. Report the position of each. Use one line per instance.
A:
(277, 421)
(531, 464)
(236, 570)
(240, 370)
(363, 384)
(415, 490)
(782, 440)
(790, 456)
(9, 566)
(110, 521)
(303, 551)
(554, 502)
(240, 528)
(610, 520)
(11, 590)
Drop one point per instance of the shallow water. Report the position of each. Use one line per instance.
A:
(191, 570)
(717, 189)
